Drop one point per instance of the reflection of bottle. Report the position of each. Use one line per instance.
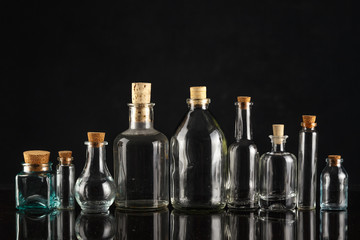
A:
(198, 158)
(243, 160)
(141, 167)
(306, 225)
(197, 225)
(277, 174)
(65, 222)
(334, 185)
(95, 188)
(333, 224)
(95, 226)
(242, 225)
(277, 224)
(35, 225)
(65, 180)
(142, 225)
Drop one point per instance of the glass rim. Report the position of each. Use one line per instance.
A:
(141, 104)
(92, 143)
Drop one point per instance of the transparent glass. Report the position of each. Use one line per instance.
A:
(35, 188)
(307, 170)
(141, 165)
(243, 162)
(198, 161)
(65, 181)
(334, 187)
(95, 188)
(277, 177)
(142, 225)
(333, 224)
(40, 225)
(242, 225)
(65, 224)
(306, 225)
(95, 226)
(198, 225)
(277, 224)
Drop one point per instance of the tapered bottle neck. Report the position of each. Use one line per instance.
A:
(96, 157)
(243, 128)
(278, 143)
(198, 103)
(141, 115)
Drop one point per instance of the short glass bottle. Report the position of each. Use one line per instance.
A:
(65, 180)
(95, 188)
(141, 166)
(198, 158)
(243, 160)
(277, 174)
(35, 185)
(334, 185)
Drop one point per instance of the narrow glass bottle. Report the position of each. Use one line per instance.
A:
(243, 160)
(65, 180)
(277, 174)
(95, 188)
(35, 185)
(334, 185)
(141, 167)
(307, 160)
(198, 158)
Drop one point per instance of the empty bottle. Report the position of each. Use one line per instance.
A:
(65, 180)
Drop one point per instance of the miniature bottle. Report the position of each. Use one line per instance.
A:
(95, 188)
(243, 160)
(277, 174)
(141, 167)
(307, 160)
(65, 180)
(198, 158)
(334, 185)
(35, 185)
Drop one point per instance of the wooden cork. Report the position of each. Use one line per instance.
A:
(141, 92)
(96, 138)
(244, 101)
(65, 157)
(278, 133)
(334, 160)
(308, 121)
(198, 92)
(36, 156)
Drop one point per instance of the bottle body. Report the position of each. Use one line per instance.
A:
(65, 181)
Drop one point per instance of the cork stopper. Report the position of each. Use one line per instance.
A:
(308, 121)
(141, 92)
(96, 138)
(198, 92)
(278, 133)
(244, 101)
(36, 156)
(65, 157)
(334, 160)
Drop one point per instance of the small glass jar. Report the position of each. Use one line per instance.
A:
(65, 180)
(334, 185)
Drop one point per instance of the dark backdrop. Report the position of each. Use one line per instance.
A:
(68, 69)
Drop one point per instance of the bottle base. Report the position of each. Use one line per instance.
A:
(332, 207)
(198, 208)
(278, 203)
(243, 205)
(141, 205)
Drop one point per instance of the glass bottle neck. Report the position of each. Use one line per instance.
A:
(141, 116)
(95, 157)
(334, 162)
(43, 167)
(278, 143)
(198, 103)
(243, 128)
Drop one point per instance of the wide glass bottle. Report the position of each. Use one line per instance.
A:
(35, 185)
(334, 185)
(65, 180)
(141, 167)
(277, 174)
(198, 158)
(243, 160)
(307, 164)
(95, 188)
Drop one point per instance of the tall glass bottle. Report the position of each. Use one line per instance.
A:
(243, 160)
(65, 180)
(334, 185)
(141, 167)
(95, 188)
(277, 174)
(307, 160)
(198, 158)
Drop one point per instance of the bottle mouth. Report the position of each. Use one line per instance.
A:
(278, 139)
(334, 162)
(96, 144)
(34, 167)
(192, 101)
(243, 105)
(65, 161)
(141, 104)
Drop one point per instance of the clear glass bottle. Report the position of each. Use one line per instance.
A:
(333, 224)
(35, 185)
(36, 225)
(65, 224)
(141, 165)
(65, 180)
(277, 224)
(95, 188)
(307, 163)
(277, 174)
(242, 225)
(306, 224)
(243, 160)
(95, 226)
(198, 158)
(334, 185)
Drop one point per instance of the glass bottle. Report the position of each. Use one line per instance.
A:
(306, 224)
(95, 226)
(65, 180)
(95, 188)
(277, 174)
(333, 224)
(141, 167)
(198, 158)
(36, 225)
(334, 185)
(242, 225)
(307, 161)
(35, 185)
(243, 160)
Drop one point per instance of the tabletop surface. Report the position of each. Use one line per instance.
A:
(171, 224)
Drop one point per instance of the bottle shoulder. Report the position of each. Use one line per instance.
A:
(278, 155)
(149, 135)
(243, 144)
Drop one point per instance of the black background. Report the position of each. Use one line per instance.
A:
(67, 69)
